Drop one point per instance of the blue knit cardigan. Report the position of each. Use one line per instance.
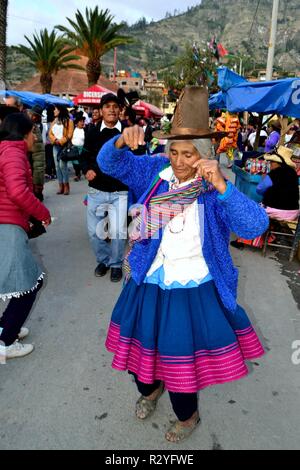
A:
(222, 213)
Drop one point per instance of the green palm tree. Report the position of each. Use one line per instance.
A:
(49, 53)
(3, 29)
(93, 36)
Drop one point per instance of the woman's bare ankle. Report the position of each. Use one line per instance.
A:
(191, 421)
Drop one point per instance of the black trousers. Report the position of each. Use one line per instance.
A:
(50, 164)
(184, 404)
(77, 169)
(15, 316)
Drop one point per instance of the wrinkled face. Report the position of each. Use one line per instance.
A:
(30, 139)
(110, 113)
(96, 115)
(183, 155)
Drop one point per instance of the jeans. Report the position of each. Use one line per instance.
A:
(107, 219)
(15, 316)
(62, 170)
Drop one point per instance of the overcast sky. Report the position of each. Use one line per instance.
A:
(27, 16)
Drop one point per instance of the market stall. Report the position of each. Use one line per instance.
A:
(147, 110)
(277, 97)
(31, 99)
(91, 96)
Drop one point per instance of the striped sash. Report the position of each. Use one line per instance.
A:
(152, 215)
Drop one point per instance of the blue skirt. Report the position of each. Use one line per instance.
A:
(184, 337)
(19, 271)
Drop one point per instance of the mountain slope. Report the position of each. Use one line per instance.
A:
(158, 44)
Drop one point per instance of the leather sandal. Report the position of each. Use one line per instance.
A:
(145, 408)
(181, 432)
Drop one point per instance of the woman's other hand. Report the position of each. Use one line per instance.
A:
(47, 222)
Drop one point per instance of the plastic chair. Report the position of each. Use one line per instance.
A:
(294, 226)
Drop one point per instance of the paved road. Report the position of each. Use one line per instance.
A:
(66, 396)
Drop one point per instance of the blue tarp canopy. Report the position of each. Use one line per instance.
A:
(51, 99)
(272, 97)
(227, 78)
(217, 101)
(31, 99)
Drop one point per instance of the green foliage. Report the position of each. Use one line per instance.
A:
(49, 53)
(95, 34)
(197, 66)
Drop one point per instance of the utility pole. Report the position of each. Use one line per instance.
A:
(115, 64)
(269, 74)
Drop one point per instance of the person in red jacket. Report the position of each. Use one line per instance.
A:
(20, 275)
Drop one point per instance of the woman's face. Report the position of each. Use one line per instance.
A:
(56, 112)
(30, 139)
(274, 165)
(80, 124)
(183, 155)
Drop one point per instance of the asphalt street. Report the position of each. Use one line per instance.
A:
(65, 395)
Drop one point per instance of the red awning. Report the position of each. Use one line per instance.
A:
(149, 110)
(92, 95)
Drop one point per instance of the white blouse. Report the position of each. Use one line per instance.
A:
(78, 137)
(58, 131)
(180, 252)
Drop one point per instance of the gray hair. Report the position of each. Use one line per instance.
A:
(203, 146)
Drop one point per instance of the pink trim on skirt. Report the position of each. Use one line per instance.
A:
(183, 374)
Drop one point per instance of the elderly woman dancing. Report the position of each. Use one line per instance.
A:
(177, 324)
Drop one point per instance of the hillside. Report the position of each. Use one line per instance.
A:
(159, 43)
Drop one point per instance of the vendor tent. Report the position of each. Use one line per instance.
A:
(278, 96)
(92, 95)
(147, 110)
(271, 97)
(217, 101)
(31, 99)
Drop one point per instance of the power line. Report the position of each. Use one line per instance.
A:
(254, 18)
(31, 21)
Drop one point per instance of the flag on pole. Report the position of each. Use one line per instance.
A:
(222, 50)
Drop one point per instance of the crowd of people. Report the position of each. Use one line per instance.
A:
(177, 325)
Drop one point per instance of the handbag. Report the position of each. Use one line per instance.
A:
(36, 228)
(69, 153)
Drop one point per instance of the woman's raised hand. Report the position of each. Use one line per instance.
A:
(211, 172)
(132, 137)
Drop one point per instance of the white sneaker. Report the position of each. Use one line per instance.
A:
(23, 333)
(17, 350)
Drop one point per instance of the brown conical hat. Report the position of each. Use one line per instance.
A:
(191, 117)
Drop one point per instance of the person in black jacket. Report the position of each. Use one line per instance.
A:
(107, 198)
(279, 189)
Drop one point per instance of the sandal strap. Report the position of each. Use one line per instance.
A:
(182, 432)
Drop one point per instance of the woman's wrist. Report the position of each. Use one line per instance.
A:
(221, 187)
(120, 143)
